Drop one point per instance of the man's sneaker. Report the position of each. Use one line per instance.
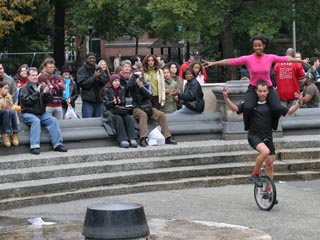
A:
(35, 151)
(61, 148)
(267, 195)
(143, 142)
(256, 180)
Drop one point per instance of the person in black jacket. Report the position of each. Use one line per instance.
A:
(33, 99)
(192, 96)
(141, 93)
(91, 79)
(116, 114)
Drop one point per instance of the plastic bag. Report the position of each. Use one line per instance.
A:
(156, 138)
(70, 113)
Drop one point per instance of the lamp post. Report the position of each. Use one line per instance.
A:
(294, 25)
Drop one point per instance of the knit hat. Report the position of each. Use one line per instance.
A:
(90, 54)
(65, 68)
(114, 77)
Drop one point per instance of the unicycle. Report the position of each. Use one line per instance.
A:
(266, 195)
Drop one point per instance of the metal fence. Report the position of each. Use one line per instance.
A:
(12, 61)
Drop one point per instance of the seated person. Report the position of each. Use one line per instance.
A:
(8, 117)
(311, 95)
(117, 114)
(33, 100)
(141, 93)
(192, 96)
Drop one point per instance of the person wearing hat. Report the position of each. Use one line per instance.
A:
(194, 56)
(91, 79)
(311, 96)
(116, 119)
(70, 93)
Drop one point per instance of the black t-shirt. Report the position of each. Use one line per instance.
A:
(261, 120)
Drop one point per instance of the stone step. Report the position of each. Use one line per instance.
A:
(219, 149)
(110, 190)
(108, 166)
(56, 184)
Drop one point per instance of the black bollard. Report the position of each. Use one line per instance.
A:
(115, 221)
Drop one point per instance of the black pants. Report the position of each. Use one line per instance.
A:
(124, 127)
(250, 101)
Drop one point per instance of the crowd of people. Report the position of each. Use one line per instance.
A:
(138, 90)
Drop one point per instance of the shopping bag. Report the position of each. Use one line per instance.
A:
(70, 113)
(156, 138)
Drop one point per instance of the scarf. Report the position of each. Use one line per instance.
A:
(125, 75)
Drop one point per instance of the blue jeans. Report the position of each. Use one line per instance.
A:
(8, 121)
(50, 123)
(185, 110)
(90, 109)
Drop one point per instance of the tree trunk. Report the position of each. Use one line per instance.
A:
(58, 42)
(227, 49)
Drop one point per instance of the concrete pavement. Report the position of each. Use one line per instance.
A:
(295, 217)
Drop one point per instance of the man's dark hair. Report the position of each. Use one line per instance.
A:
(313, 60)
(261, 83)
(134, 59)
(263, 39)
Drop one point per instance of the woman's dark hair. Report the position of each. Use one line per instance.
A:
(199, 63)
(2, 84)
(263, 39)
(188, 70)
(176, 64)
(145, 62)
(19, 70)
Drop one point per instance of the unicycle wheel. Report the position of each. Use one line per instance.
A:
(265, 196)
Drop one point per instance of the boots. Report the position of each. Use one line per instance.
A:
(15, 139)
(6, 140)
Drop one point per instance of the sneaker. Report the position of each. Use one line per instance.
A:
(133, 143)
(256, 180)
(60, 148)
(143, 142)
(266, 195)
(35, 151)
(124, 144)
(6, 140)
(15, 139)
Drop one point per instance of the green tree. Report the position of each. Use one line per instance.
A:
(12, 14)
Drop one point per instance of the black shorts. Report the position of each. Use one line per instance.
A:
(255, 138)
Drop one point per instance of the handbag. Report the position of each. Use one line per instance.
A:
(120, 110)
(196, 105)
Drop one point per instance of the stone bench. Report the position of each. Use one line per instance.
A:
(305, 121)
(89, 132)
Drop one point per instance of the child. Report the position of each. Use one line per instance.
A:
(170, 105)
(70, 93)
(8, 117)
(198, 69)
(116, 114)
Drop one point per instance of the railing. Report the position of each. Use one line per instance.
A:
(12, 61)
